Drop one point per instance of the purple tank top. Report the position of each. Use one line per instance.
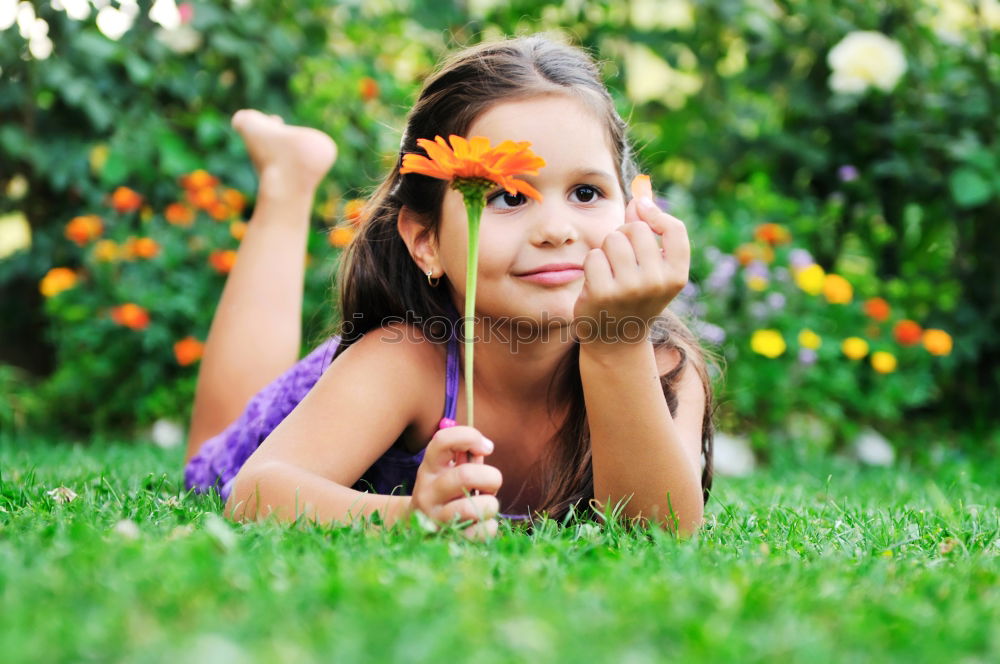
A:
(220, 458)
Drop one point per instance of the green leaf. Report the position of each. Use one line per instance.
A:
(969, 187)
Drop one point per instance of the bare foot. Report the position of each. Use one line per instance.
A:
(286, 157)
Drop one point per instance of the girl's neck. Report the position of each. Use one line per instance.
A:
(514, 369)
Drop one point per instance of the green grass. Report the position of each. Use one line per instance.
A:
(829, 563)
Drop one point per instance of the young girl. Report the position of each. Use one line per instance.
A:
(587, 387)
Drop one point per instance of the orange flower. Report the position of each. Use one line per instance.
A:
(125, 200)
(475, 160)
(368, 88)
(772, 234)
(837, 290)
(937, 342)
(907, 332)
(234, 199)
(188, 351)
(220, 211)
(199, 179)
(341, 236)
(877, 308)
(751, 251)
(179, 214)
(354, 210)
(56, 281)
(222, 260)
(85, 228)
(202, 198)
(141, 247)
(130, 315)
(238, 229)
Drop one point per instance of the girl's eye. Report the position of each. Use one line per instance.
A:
(586, 193)
(507, 199)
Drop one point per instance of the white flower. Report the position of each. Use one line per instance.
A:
(664, 14)
(77, 10)
(62, 494)
(865, 59)
(113, 23)
(167, 434)
(165, 13)
(8, 13)
(183, 39)
(127, 529)
(15, 233)
(872, 448)
(648, 77)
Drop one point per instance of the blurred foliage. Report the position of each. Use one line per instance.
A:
(735, 107)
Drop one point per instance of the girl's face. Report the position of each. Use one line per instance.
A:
(581, 203)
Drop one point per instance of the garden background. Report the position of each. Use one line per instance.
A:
(838, 167)
(836, 163)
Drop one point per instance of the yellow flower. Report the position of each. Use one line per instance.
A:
(106, 251)
(837, 290)
(757, 283)
(56, 281)
(811, 279)
(768, 343)
(883, 362)
(809, 339)
(937, 342)
(854, 347)
(341, 236)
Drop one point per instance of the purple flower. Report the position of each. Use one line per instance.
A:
(662, 203)
(757, 269)
(776, 300)
(690, 290)
(800, 258)
(722, 273)
(847, 173)
(711, 333)
(807, 356)
(780, 274)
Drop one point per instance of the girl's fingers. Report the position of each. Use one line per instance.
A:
(453, 444)
(621, 257)
(482, 530)
(454, 483)
(597, 276)
(469, 508)
(647, 251)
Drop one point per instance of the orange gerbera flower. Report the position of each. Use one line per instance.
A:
(472, 167)
(354, 209)
(188, 351)
(475, 159)
(141, 247)
(368, 88)
(130, 315)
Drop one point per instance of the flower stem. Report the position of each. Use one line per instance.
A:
(474, 209)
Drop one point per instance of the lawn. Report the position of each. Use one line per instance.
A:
(828, 562)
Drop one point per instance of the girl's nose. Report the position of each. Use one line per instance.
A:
(553, 227)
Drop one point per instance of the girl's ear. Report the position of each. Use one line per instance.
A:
(419, 240)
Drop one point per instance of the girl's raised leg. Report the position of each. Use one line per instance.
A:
(255, 333)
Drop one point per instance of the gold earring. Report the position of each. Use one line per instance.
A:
(433, 281)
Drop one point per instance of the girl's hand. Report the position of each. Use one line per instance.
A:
(630, 279)
(447, 488)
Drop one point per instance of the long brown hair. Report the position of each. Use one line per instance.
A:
(380, 282)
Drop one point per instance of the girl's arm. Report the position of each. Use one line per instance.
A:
(638, 448)
(349, 419)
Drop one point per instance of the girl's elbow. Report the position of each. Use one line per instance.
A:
(245, 496)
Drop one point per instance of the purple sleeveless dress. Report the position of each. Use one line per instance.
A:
(220, 458)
